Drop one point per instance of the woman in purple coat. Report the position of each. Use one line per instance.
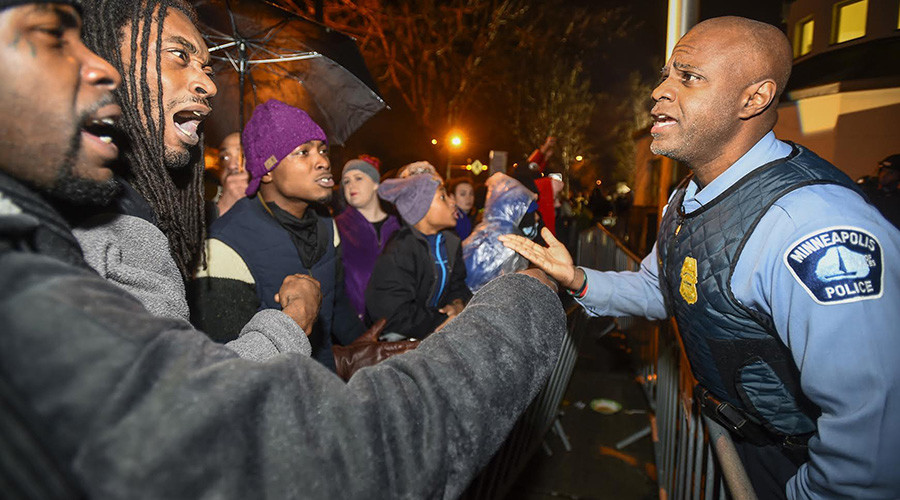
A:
(364, 228)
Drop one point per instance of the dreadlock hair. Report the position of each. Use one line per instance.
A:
(175, 195)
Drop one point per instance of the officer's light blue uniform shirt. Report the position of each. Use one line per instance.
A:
(846, 341)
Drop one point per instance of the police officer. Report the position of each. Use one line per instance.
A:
(781, 277)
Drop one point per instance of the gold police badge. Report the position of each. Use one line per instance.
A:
(688, 286)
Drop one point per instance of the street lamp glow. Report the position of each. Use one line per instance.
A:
(434, 141)
(456, 140)
(579, 158)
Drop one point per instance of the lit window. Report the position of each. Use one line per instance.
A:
(849, 20)
(803, 37)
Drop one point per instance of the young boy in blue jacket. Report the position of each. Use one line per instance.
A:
(419, 282)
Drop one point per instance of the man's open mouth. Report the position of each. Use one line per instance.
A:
(101, 129)
(325, 181)
(661, 121)
(188, 122)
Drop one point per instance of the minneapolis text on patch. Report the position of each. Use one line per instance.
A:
(825, 240)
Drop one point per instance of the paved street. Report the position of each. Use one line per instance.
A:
(594, 468)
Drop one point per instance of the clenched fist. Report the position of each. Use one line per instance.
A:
(300, 297)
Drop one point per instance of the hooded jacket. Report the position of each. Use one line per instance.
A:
(405, 282)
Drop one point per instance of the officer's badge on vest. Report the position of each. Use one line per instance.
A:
(688, 286)
(837, 265)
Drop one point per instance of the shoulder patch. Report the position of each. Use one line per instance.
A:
(837, 265)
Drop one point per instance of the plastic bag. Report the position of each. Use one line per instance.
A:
(485, 256)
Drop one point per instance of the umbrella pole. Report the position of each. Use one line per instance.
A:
(242, 72)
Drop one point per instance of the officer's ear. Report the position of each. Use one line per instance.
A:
(757, 97)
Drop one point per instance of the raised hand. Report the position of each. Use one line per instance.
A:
(234, 186)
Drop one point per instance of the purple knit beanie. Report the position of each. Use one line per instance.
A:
(274, 130)
(412, 196)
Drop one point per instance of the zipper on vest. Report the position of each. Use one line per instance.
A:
(680, 217)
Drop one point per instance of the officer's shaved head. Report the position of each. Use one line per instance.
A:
(719, 93)
(761, 50)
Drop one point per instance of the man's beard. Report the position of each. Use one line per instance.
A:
(177, 160)
(78, 190)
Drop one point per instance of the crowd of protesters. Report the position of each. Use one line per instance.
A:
(107, 389)
(164, 345)
(402, 251)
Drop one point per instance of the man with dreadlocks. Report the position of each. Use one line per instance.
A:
(153, 234)
(165, 98)
(99, 399)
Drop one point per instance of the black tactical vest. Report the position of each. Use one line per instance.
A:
(735, 351)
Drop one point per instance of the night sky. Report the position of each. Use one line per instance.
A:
(394, 136)
(647, 46)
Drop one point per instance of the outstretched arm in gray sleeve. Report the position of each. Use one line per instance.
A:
(151, 406)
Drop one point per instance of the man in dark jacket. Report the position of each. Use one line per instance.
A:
(101, 399)
(275, 232)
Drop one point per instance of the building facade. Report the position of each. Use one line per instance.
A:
(843, 99)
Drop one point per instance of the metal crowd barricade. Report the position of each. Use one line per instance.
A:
(695, 456)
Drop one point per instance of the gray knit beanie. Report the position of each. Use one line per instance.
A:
(412, 196)
(364, 167)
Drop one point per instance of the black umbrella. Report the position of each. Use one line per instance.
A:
(261, 51)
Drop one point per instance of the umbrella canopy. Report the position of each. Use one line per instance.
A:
(261, 51)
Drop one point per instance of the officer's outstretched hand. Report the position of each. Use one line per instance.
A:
(553, 259)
